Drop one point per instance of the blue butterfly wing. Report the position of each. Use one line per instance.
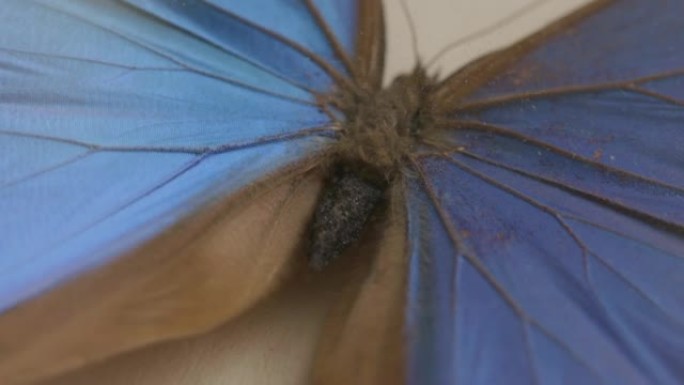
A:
(119, 118)
(548, 229)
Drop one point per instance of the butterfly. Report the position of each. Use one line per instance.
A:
(530, 228)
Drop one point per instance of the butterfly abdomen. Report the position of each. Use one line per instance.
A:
(347, 203)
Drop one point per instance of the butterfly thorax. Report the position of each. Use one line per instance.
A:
(381, 127)
(379, 131)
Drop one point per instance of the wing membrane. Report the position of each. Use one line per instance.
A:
(559, 183)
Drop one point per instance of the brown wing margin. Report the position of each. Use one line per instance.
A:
(205, 270)
(370, 44)
(367, 66)
(467, 80)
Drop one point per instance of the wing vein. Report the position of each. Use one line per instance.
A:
(574, 190)
(626, 85)
(47, 170)
(178, 173)
(223, 48)
(586, 252)
(180, 63)
(341, 79)
(486, 127)
(474, 260)
(330, 36)
(200, 150)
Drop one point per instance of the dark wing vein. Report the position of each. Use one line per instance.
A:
(178, 150)
(624, 208)
(340, 53)
(182, 64)
(504, 131)
(194, 162)
(560, 217)
(586, 252)
(626, 85)
(11, 51)
(224, 49)
(47, 170)
(657, 95)
(473, 259)
(341, 79)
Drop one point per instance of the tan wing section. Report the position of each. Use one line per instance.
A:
(207, 269)
(273, 343)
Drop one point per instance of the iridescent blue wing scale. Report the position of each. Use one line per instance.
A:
(121, 118)
(547, 226)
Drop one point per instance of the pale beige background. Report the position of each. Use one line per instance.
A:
(273, 344)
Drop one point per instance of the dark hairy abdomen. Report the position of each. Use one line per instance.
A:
(347, 204)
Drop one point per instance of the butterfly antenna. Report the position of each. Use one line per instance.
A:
(412, 27)
(486, 30)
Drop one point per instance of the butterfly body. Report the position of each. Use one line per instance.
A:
(379, 132)
(533, 231)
